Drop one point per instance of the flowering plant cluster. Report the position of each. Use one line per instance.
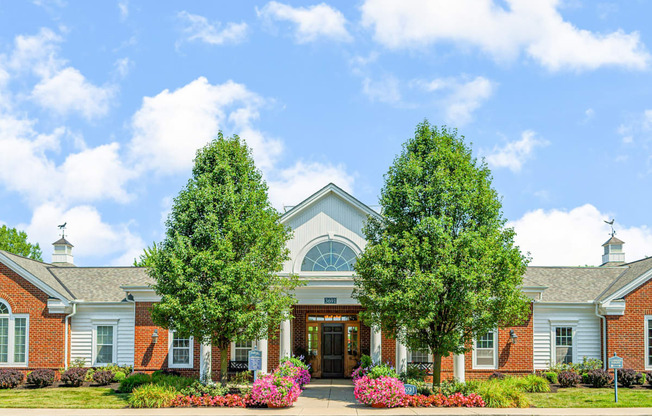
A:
(229, 400)
(359, 373)
(440, 400)
(300, 374)
(382, 391)
(274, 390)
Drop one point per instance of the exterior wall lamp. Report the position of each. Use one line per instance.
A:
(155, 336)
(513, 336)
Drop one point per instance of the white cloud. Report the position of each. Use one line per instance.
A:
(199, 28)
(123, 6)
(637, 126)
(574, 238)
(87, 231)
(171, 126)
(534, 28)
(460, 96)
(292, 185)
(514, 154)
(311, 23)
(386, 91)
(69, 92)
(123, 66)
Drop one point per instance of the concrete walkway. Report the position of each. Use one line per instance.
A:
(327, 398)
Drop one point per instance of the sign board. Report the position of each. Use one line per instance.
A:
(330, 301)
(255, 360)
(410, 389)
(615, 362)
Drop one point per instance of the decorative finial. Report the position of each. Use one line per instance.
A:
(613, 232)
(62, 227)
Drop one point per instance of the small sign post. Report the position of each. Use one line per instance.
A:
(410, 389)
(616, 362)
(255, 361)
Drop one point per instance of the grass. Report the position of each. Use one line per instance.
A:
(585, 397)
(64, 398)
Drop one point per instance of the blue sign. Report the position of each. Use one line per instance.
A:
(330, 301)
(255, 360)
(410, 389)
(615, 362)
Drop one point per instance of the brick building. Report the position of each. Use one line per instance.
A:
(53, 313)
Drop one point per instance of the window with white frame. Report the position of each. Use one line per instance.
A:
(241, 350)
(648, 342)
(563, 344)
(180, 351)
(420, 356)
(485, 351)
(104, 344)
(14, 331)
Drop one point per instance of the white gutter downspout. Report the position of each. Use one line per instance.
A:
(604, 337)
(65, 347)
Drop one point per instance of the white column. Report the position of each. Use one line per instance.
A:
(262, 347)
(205, 366)
(376, 347)
(458, 367)
(285, 347)
(401, 357)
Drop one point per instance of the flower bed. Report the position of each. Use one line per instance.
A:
(229, 400)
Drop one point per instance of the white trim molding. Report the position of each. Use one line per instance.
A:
(171, 363)
(113, 323)
(646, 353)
(563, 323)
(11, 337)
(474, 363)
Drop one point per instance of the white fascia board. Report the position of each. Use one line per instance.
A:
(142, 293)
(32, 279)
(629, 287)
(565, 305)
(613, 307)
(57, 306)
(324, 191)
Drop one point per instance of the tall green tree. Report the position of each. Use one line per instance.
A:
(217, 268)
(15, 241)
(441, 267)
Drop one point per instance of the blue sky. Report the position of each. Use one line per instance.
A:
(103, 104)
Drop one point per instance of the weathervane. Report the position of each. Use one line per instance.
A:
(62, 227)
(613, 232)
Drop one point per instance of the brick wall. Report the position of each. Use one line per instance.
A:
(626, 333)
(46, 330)
(388, 350)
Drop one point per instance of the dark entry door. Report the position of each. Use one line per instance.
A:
(333, 350)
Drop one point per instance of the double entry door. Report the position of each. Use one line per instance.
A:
(333, 348)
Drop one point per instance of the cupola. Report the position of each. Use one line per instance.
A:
(613, 252)
(62, 255)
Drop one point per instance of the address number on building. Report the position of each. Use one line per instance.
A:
(330, 301)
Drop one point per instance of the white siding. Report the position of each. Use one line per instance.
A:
(328, 215)
(82, 331)
(582, 317)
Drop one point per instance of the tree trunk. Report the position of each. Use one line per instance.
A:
(436, 372)
(224, 364)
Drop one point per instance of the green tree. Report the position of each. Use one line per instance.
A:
(15, 241)
(440, 268)
(217, 268)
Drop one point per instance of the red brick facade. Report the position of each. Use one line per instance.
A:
(46, 330)
(626, 333)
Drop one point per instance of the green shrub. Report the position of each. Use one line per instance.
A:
(119, 376)
(569, 378)
(102, 377)
(199, 389)
(532, 384)
(587, 365)
(297, 362)
(598, 378)
(134, 380)
(74, 376)
(499, 393)
(41, 377)
(365, 361)
(413, 373)
(551, 376)
(177, 382)
(382, 370)
(448, 387)
(152, 396)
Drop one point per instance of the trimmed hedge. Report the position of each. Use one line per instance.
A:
(41, 377)
(74, 376)
(103, 377)
(569, 379)
(10, 378)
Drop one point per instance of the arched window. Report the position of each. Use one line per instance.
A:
(329, 256)
(13, 336)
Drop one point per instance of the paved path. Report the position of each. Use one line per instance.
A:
(327, 398)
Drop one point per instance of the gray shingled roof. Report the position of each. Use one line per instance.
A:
(41, 271)
(101, 284)
(572, 284)
(634, 270)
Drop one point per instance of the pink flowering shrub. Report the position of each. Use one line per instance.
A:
(301, 375)
(385, 391)
(275, 390)
(359, 373)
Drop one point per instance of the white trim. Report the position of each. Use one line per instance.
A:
(114, 350)
(233, 348)
(554, 324)
(409, 356)
(296, 266)
(171, 363)
(331, 187)
(646, 353)
(475, 364)
(629, 287)
(11, 336)
(32, 279)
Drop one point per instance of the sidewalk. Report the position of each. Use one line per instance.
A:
(327, 398)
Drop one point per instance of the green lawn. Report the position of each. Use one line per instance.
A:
(64, 397)
(585, 397)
